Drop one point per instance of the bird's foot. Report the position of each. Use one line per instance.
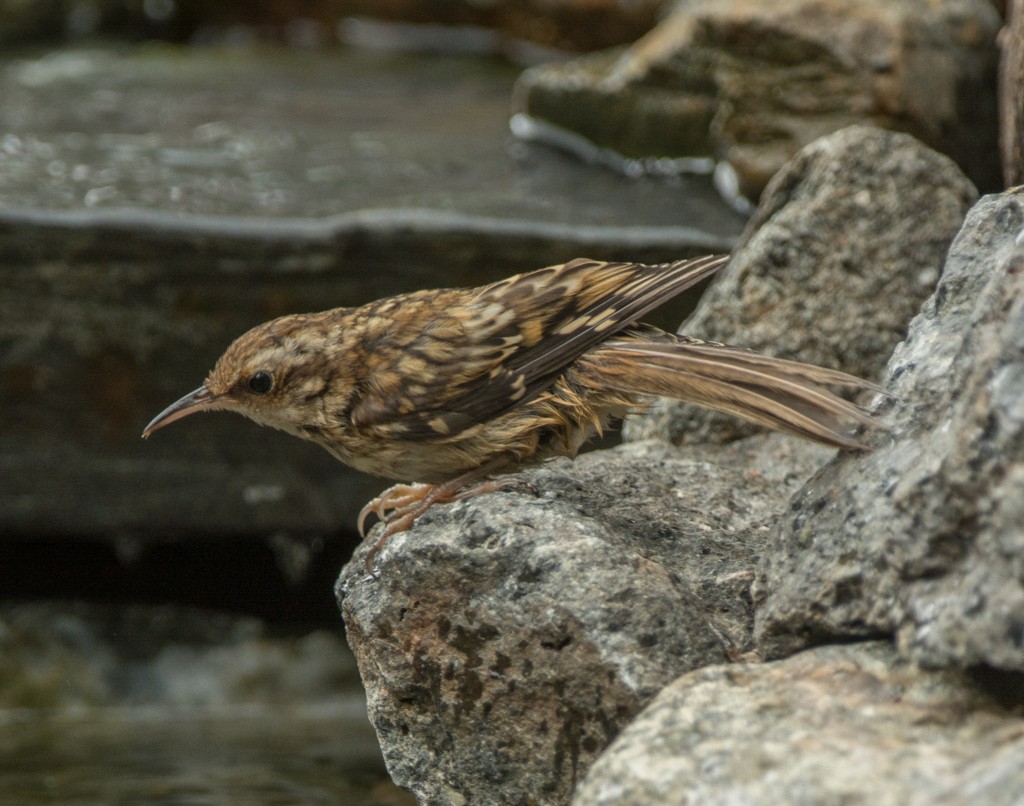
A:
(400, 506)
(393, 498)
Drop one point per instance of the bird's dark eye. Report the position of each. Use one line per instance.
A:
(261, 382)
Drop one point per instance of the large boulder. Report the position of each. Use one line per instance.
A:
(924, 537)
(505, 640)
(837, 724)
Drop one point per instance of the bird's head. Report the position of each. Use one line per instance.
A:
(276, 374)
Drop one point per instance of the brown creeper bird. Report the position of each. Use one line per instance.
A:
(449, 387)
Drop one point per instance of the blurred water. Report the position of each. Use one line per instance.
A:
(271, 133)
(174, 755)
(132, 704)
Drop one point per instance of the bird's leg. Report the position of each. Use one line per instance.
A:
(493, 486)
(407, 502)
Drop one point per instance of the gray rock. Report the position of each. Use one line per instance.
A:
(925, 536)
(509, 637)
(841, 724)
(847, 243)
(752, 83)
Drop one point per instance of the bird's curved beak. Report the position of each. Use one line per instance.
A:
(202, 399)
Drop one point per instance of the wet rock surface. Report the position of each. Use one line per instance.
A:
(269, 133)
(752, 83)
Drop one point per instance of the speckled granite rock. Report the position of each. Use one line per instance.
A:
(839, 724)
(925, 537)
(511, 636)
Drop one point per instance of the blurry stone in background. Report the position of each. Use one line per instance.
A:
(752, 83)
(572, 25)
(746, 85)
(1011, 96)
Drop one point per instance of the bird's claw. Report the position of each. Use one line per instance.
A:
(400, 506)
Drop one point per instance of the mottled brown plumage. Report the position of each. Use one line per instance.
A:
(450, 386)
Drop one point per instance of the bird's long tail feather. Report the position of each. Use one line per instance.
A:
(782, 395)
